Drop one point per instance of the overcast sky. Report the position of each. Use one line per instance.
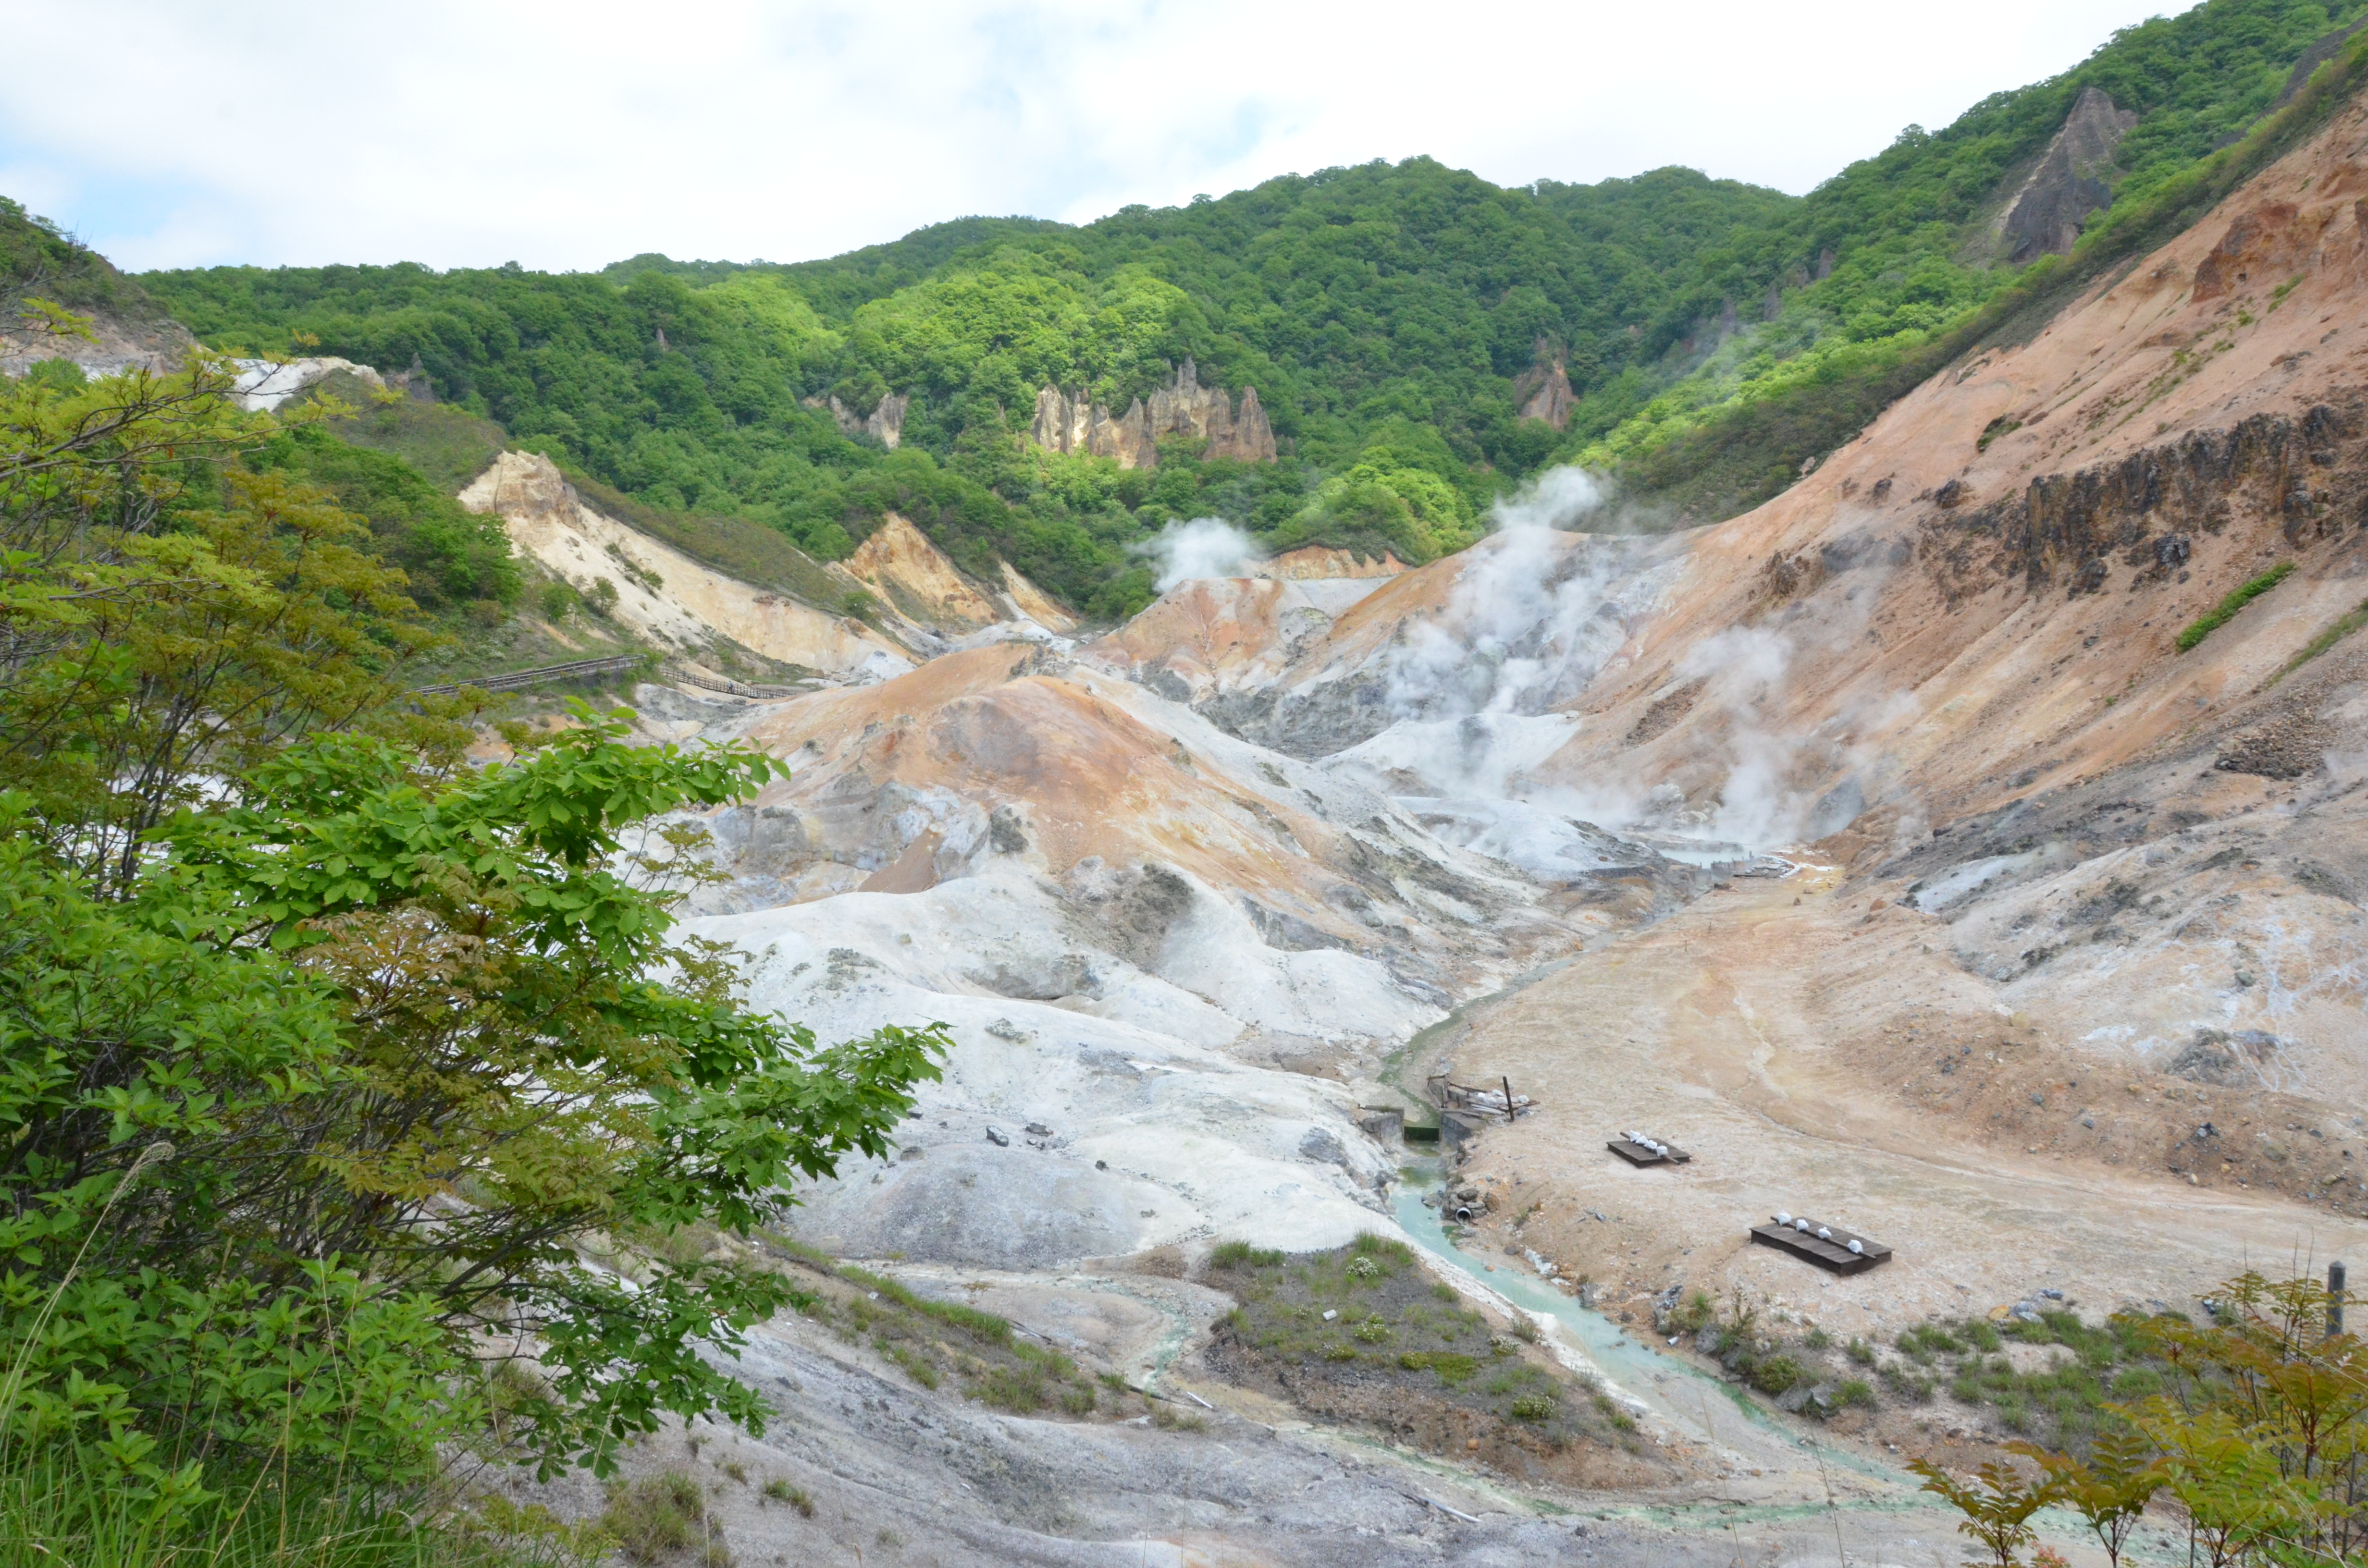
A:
(471, 132)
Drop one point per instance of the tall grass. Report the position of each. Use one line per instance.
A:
(59, 1505)
(65, 1501)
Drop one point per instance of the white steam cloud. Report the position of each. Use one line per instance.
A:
(1481, 693)
(1205, 547)
(1532, 618)
(1744, 667)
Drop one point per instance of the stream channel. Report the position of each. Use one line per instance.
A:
(1775, 1472)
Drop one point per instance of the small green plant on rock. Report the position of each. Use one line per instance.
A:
(1774, 1374)
(780, 1491)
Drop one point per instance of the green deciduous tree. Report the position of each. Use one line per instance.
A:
(2259, 1442)
(330, 1059)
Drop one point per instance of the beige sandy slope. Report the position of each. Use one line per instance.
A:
(662, 594)
(1316, 561)
(1930, 629)
(921, 584)
(1226, 634)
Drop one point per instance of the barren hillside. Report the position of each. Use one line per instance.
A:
(1888, 847)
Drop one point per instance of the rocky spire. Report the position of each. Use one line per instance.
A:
(1066, 422)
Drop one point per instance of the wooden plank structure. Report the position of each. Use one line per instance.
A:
(1638, 1153)
(1497, 1101)
(1830, 1251)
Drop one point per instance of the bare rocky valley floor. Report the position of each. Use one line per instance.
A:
(1881, 848)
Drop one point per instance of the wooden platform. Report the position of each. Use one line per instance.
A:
(1637, 1154)
(1834, 1255)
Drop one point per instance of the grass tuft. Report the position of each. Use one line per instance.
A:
(797, 1497)
(654, 1518)
(1242, 1255)
(2341, 626)
(2205, 625)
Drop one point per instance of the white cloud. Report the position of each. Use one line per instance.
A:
(570, 135)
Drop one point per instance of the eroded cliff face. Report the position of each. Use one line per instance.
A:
(884, 423)
(115, 345)
(1544, 391)
(660, 594)
(920, 583)
(1063, 423)
(2074, 178)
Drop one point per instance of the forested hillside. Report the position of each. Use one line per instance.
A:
(1715, 335)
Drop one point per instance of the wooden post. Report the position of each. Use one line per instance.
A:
(2334, 1300)
(1508, 1099)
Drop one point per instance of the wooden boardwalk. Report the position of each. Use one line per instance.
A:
(1637, 1154)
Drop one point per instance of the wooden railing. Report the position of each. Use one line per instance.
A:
(580, 668)
(517, 678)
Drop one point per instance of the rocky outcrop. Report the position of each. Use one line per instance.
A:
(2310, 473)
(264, 384)
(1063, 422)
(1207, 414)
(884, 423)
(1078, 425)
(1543, 389)
(2073, 179)
(2274, 239)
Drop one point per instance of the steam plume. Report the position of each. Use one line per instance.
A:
(1205, 547)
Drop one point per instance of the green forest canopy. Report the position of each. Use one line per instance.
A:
(1383, 312)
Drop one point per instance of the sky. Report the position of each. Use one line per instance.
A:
(474, 132)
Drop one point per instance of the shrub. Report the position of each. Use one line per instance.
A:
(1774, 1374)
(2211, 620)
(1536, 1406)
